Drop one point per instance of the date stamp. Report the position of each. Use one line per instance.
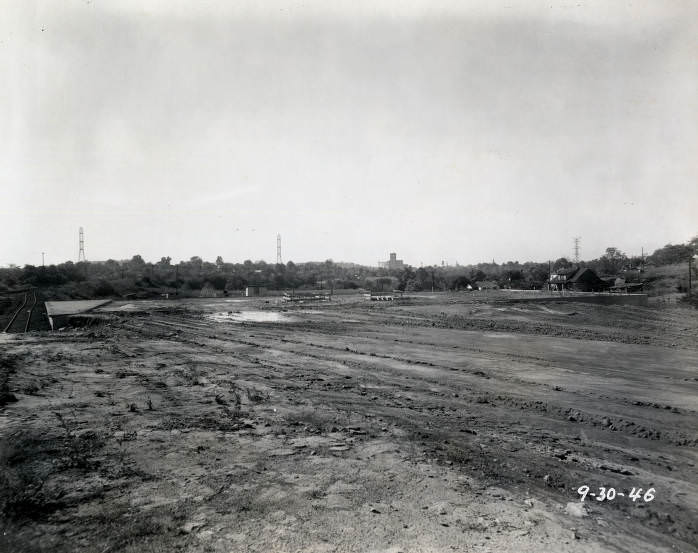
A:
(609, 494)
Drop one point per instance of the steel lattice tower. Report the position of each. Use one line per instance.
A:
(278, 249)
(81, 253)
(576, 248)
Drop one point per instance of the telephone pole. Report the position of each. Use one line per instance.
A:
(278, 250)
(42, 259)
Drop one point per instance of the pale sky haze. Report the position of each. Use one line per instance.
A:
(462, 131)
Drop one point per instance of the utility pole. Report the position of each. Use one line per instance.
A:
(690, 261)
(278, 250)
(42, 259)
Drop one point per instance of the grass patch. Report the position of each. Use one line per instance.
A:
(29, 461)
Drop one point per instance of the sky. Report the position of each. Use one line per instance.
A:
(439, 130)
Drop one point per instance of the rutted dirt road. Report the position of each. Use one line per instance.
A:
(354, 427)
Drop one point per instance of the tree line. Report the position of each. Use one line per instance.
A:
(145, 279)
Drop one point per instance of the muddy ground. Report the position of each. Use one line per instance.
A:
(439, 423)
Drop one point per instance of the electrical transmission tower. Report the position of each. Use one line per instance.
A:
(278, 249)
(81, 253)
(576, 248)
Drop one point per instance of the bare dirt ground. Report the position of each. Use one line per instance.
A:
(439, 423)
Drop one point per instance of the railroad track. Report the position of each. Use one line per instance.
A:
(22, 316)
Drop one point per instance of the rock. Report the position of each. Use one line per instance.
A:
(576, 509)
(188, 527)
(7, 397)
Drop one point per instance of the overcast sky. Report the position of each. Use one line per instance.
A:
(457, 131)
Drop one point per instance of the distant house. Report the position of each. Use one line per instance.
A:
(255, 290)
(306, 295)
(486, 285)
(623, 286)
(578, 279)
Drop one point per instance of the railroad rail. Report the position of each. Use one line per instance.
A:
(22, 316)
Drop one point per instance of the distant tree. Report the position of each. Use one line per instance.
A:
(562, 263)
(137, 261)
(536, 275)
(404, 277)
(693, 244)
(413, 285)
(194, 283)
(104, 288)
(477, 274)
(165, 261)
(112, 267)
(217, 281)
(612, 261)
(235, 282)
(384, 283)
(460, 283)
(673, 253)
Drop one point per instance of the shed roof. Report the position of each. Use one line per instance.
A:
(72, 307)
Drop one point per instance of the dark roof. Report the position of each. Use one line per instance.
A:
(574, 274)
(579, 271)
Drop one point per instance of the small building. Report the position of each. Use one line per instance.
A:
(623, 286)
(578, 279)
(307, 295)
(255, 290)
(60, 312)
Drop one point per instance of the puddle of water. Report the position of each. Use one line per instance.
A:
(218, 305)
(252, 316)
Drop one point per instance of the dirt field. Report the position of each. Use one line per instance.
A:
(437, 423)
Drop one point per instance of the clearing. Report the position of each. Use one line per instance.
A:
(443, 422)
